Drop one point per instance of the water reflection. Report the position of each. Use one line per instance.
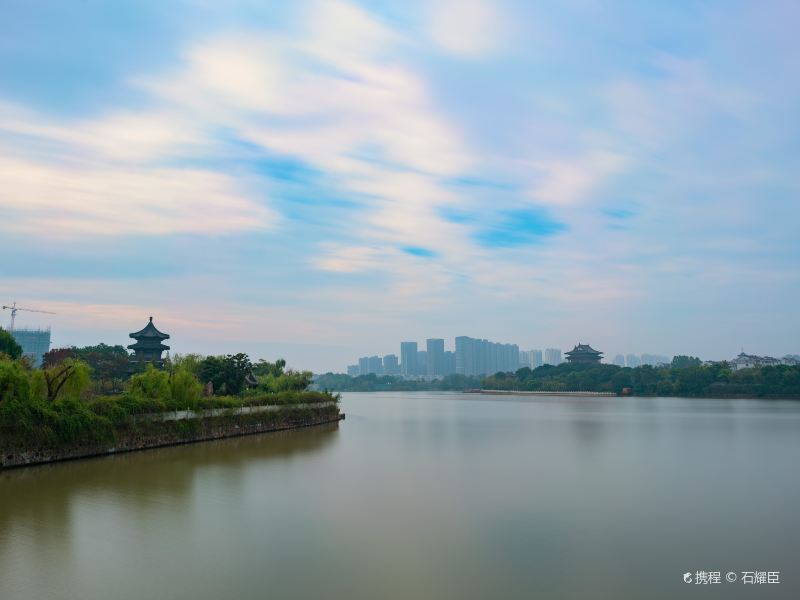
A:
(43, 494)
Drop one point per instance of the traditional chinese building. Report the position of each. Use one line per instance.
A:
(148, 347)
(750, 361)
(583, 354)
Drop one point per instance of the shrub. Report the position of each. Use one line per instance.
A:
(185, 389)
(152, 384)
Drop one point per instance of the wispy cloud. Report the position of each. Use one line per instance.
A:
(62, 201)
(432, 163)
(469, 28)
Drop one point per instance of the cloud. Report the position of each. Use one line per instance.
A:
(335, 98)
(685, 96)
(468, 28)
(571, 181)
(118, 136)
(350, 259)
(69, 200)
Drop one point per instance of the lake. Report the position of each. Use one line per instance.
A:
(426, 495)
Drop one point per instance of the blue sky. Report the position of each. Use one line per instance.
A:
(321, 180)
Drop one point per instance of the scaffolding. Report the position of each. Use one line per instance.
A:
(35, 343)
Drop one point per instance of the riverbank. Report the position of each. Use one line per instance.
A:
(171, 429)
(538, 393)
(615, 395)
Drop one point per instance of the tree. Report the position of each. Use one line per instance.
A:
(262, 367)
(191, 362)
(682, 361)
(185, 389)
(228, 374)
(151, 383)
(68, 379)
(56, 356)
(288, 381)
(8, 345)
(110, 364)
(14, 382)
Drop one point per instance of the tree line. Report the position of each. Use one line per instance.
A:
(685, 376)
(87, 394)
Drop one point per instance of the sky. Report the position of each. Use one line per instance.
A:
(322, 180)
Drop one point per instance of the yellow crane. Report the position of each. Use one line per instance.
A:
(14, 308)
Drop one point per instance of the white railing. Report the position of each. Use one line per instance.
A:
(180, 415)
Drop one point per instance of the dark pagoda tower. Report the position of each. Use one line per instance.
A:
(584, 354)
(148, 347)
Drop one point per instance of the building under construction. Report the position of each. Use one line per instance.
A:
(35, 343)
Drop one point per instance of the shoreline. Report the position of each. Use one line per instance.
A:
(574, 394)
(541, 393)
(174, 433)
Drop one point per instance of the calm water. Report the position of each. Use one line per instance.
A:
(426, 496)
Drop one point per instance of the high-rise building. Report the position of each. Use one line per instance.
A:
(465, 355)
(619, 360)
(552, 356)
(408, 358)
(530, 358)
(526, 358)
(631, 360)
(482, 357)
(363, 365)
(375, 365)
(35, 343)
(435, 356)
(422, 363)
(353, 370)
(390, 365)
(449, 363)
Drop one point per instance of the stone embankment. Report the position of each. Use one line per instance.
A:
(183, 427)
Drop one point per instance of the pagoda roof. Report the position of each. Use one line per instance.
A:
(149, 331)
(583, 349)
(148, 344)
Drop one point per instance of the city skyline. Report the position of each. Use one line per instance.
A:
(414, 363)
(308, 179)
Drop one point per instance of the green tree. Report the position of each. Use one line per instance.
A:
(191, 362)
(110, 364)
(262, 367)
(683, 362)
(228, 374)
(68, 379)
(8, 345)
(152, 384)
(185, 389)
(289, 381)
(14, 382)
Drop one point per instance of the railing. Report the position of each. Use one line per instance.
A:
(180, 415)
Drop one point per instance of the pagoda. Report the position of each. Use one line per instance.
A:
(148, 347)
(583, 354)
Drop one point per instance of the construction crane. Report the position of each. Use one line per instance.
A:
(14, 308)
